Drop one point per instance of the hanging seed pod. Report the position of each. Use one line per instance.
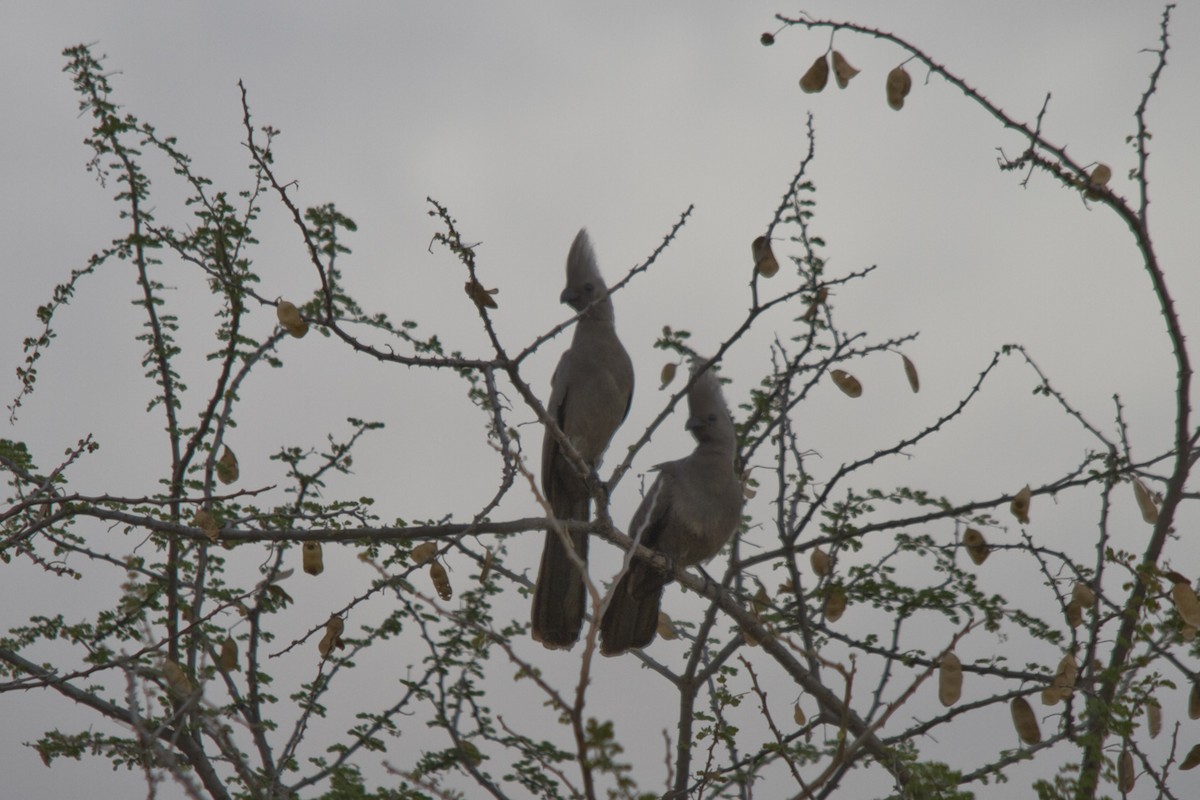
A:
(666, 627)
(333, 636)
(815, 303)
(977, 546)
(764, 258)
(910, 372)
(205, 521)
(290, 319)
(1083, 594)
(312, 558)
(747, 491)
(1025, 721)
(486, 570)
(1050, 696)
(1074, 614)
(441, 581)
(480, 296)
(667, 375)
(899, 83)
(767, 39)
(1066, 675)
(1188, 633)
(1194, 702)
(1145, 501)
(950, 679)
(842, 71)
(1097, 180)
(1125, 774)
(227, 661)
(822, 564)
(846, 382)
(1192, 759)
(1186, 603)
(835, 603)
(798, 714)
(227, 467)
(178, 682)
(1020, 505)
(1153, 717)
(817, 76)
(423, 553)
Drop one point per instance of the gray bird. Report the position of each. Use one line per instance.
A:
(590, 395)
(690, 512)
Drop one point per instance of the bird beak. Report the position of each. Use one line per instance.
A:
(571, 298)
(693, 424)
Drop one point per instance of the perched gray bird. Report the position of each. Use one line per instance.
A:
(589, 398)
(691, 511)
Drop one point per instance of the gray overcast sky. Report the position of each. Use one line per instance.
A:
(530, 120)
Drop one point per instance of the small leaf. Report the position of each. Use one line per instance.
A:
(910, 372)
(227, 467)
(1020, 505)
(1025, 721)
(899, 83)
(764, 257)
(817, 76)
(667, 375)
(842, 71)
(312, 558)
(950, 679)
(846, 382)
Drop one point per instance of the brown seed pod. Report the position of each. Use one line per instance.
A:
(1186, 603)
(950, 679)
(290, 319)
(798, 714)
(910, 372)
(667, 375)
(765, 262)
(178, 682)
(846, 382)
(666, 627)
(441, 581)
(1051, 695)
(1145, 501)
(899, 83)
(1066, 675)
(977, 546)
(767, 39)
(486, 570)
(1192, 759)
(1194, 702)
(822, 564)
(312, 558)
(747, 491)
(842, 71)
(1153, 717)
(205, 521)
(228, 659)
(1125, 776)
(1083, 594)
(480, 296)
(1188, 633)
(835, 603)
(423, 553)
(1025, 721)
(815, 303)
(227, 467)
(817, 76)
(333, 636)
(1074, 614)
(1020, 505)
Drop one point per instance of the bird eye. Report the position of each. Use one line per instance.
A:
(587, 287)
(712, 417)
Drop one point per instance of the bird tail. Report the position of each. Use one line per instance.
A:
(631, 618)
(560, 595)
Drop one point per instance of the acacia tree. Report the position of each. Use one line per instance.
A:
(196, 682)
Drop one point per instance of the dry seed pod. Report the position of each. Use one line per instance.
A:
(798, 714)
(1188, 632)
(666, 628)
(1145, 501)
(899, 83)
(486, 570)
(1192, 759)
(441, 581)
(835, 603)
(846, 382)
(817, 76)
(910, 372)
(1125, 771)
(764, 258)
(950, 679)
(1020, 505)
(1100, 175)
(1194, 702)
(1083, 594)
(228, 660)
(1025, 721)
(1066, 675)
(977, 546)
(480, 296)
(668, 374)
(815, 303)
(1154, 717)
(842, 71)
(312, 558)
(767, 39)
(290, 319)
(205, 521)
(747, 492)
(1074, 614)
(423, 552)
(177, 680)
(822, 564)
(333, 635)
(1050, 696)
(227, 467)
(1186, 603)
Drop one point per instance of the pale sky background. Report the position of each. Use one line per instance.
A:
(530, 120)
